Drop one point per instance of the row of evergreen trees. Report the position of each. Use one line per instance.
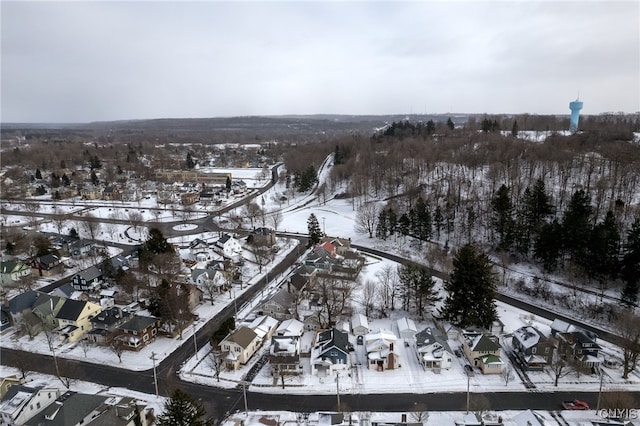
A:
(532, 229)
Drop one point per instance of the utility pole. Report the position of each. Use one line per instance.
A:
(599, 391)
(338, 390)
(155, 376)
(244, 393)
(468, 379)
(195, 341)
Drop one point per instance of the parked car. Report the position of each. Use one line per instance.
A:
(458, 353)
(575, 404)
(468, 369)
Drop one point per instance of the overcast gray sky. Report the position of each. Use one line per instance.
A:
(90, 61)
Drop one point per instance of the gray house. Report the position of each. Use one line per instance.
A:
(87, 280)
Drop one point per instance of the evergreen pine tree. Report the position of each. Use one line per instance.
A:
(38, 174)
(404, 225)
(514, 129)
(603, 250)
(471, 290)
(548, 245)
(537, 206)
(450, 124)
(630, 265)
(431, 127)
(576, 227)
(382, 225)
(315, 233)
(94, 178)
(438, 220)
(183, 410)
(502, 217)
(189, 161)
(392, 220)
(157, 243)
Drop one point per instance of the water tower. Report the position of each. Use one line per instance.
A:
(575, 108)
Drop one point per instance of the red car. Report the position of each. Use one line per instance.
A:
(576, 404)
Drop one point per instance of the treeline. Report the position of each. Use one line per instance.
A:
(569, 203)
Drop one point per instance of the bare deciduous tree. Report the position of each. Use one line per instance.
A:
(369, 296)
(214, 360)
(560, 367)
(334, 296)
(91, 225)
(117, 347)
(366, 218)
(628, 326)
(276, 219)
(507, 374)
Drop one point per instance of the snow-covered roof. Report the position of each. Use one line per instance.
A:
(406, 325)
(527, 336)
(263, 325)
(290, 327)
(359, 320)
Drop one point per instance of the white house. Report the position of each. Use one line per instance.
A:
(200, 250)
(230, 247)
(406, 328)
(359, 325)
(208, 280)
(432, 349)
(381, 350)
(22, 403)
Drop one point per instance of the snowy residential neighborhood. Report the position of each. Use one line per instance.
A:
(236, 284)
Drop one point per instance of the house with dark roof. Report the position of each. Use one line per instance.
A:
(579, 346)
(87, 280)
(18, 306)
(46, 265)
(239, 346)
(281, 306)
(200, 250)
(330, 352)
(262, 237)
(74, 319)
(12, 270)
(7, 382)
(432, 349)
(300, 279)
(46, 307)
(71, 408)
(482, 350)
(121, 411)
(576, 344)
(532, 348)
(138, 332)
(104, 326)
(111, 193)
(80, 248)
